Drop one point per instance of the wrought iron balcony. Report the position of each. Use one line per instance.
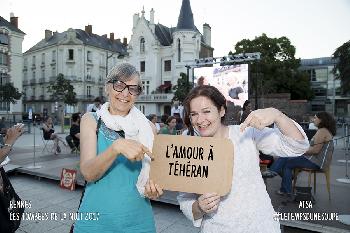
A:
(157, 98)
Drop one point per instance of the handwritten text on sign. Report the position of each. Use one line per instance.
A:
(192, 164)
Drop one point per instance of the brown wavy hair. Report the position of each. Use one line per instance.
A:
(327, 121)
(211, 93)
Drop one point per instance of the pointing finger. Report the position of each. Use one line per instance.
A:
(148, 152)
(246, 123)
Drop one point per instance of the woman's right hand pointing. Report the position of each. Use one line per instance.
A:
(131, 149)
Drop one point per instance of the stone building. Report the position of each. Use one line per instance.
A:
(11, 38)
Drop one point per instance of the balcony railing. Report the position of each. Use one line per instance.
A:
(32, 81)
(85, 97)
(42, 97)
(41, 80)
(25, 82)
(32, 97)
(158, 98)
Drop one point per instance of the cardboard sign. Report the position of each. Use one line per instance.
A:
(68, 179)
(192, 164)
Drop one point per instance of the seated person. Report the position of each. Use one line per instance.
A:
(169, 128)
(73, 138)
(49, 134)
(284, 166)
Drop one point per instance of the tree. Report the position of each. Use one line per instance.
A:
(62, 91)
(9, 94)
(277, 71)
(342, 68)
(182, 88)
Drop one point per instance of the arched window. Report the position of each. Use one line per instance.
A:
(4, 39)
(142, 45)
(178, 50)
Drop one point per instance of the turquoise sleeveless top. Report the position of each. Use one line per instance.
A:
(113, 204)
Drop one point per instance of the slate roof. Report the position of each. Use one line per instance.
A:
(185, 20)
(92, 40)
(5, 23)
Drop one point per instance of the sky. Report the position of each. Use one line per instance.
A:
(315, 27)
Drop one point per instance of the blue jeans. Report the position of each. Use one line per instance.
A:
(284, 167)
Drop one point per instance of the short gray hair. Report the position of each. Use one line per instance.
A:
(123, 72)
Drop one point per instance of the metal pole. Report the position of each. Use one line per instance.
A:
(34, 166)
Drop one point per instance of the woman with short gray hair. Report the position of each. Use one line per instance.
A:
(115, 160)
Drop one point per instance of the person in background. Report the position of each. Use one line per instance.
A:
(170, 127)
(177, 109)
(153, 118)
(3, 126)
(327, 129)
(95, 106)
(73, 139)
(247, 109)
(49, 134)
(247, 207)
(115, 144)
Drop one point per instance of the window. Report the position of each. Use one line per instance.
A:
(53, 58)
(3, 59)
(100, 91)
(178, 50)
(142, 45)
(3, 78)
(167, 65)
(33, 60)
(4, 39)
(43, 73)
(25, 75)
(88, 74)
(142, 66)
(33, 93)
(88, 91)
(89, 56)
(43, 58)
(4, 106)
(42, 90)
(33, 75)
(53, 72)
(25, 62)
(70, 54)
(145, 87)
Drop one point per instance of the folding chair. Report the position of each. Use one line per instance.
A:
(48, 143)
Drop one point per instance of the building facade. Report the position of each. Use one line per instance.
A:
(82, 57)
(11, 60)
(161, 53)
(326, 88)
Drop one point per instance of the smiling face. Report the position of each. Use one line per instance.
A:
(122, 102)
(205, 116)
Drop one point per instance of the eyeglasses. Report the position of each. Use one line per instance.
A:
(120, 86)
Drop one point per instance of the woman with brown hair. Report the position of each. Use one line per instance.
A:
(247, 207)
(284, 166)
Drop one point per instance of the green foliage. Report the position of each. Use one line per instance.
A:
(9, 93)
(62, 90)
(182, 88)
(342, 69)
(277, 71)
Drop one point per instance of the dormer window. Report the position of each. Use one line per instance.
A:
(4, 39)
(142, 45)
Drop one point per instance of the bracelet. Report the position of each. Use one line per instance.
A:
(8, 145)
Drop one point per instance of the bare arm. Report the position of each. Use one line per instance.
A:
(263, 117)
(92, 166)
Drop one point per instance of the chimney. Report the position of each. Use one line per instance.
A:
(135, 19)
(125, 41)
(48, 34)
(207, 34)
(151, 18)
(118, 40)
(111, 36)
(104, 35)
(13, 20)
(88, 29)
